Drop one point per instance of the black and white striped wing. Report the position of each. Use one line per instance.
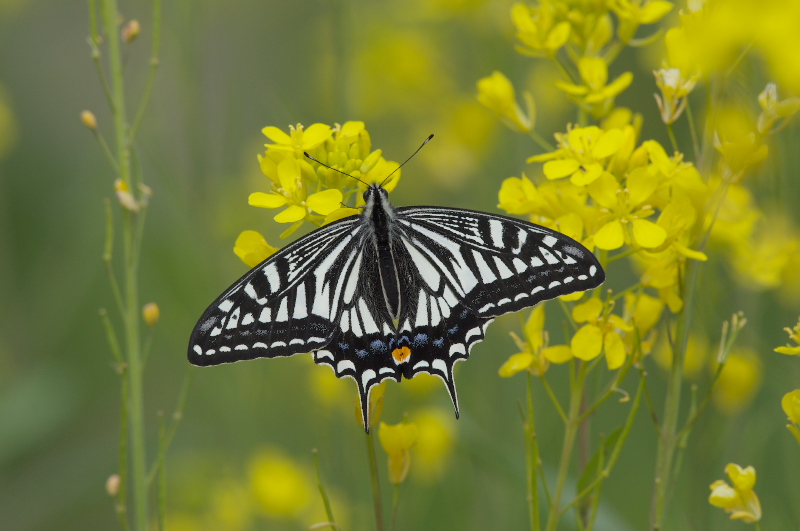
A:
(470, 267)
(284, 306)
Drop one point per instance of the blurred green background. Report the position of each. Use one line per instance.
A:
(228, 69)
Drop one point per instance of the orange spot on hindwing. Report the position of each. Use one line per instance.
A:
(401, 354)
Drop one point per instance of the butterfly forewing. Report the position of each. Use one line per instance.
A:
(283, 306)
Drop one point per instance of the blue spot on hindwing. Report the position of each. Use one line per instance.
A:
(361, 353)
(420, 340)
(378, 346)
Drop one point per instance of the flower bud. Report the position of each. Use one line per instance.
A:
(89, 120)
(131, 30)
(151, 313)
(112, 485)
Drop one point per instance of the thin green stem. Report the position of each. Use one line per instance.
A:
(532, 459)
(672, 139)
(540, 141)
(162, 475)
(377, 504)
(154, 61)
(325, 501)
(106, 150)
(122, 496)
(111, 336)
(395, 505)
(554, 399)
(570, 434)
(107, 256)
(692, 129)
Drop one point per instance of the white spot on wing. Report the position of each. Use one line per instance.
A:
(553, 284)
(426, 269)
(259, 345)
(440, 365)
(486, 307)
(321, 354)
(592, 271)
(536, 261)
(233, 320)
(197, 349)
(321, 301)
(354, 323)
(521, 237)
(552, 260)
(283, 312)
(458, 348)
(248, 319)
(266, 315)
(472, 332)
(435, 317)
(367, 376)
(422, 363)
(225, 306)
(352, 280)
(344, 365)
(549, 240)
(273, 277)
(502, 268)
(496, 232)
(300, 310)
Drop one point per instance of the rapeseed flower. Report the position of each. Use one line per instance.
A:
(791, 406)
(279, 486)
(497, 93)
(738, 498)
(397, 440)
(581, 155)
(600, 334)
(794, 335)
(539, 30)
(535, 354)
(596, 95)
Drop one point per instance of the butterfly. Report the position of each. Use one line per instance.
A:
(391, 292)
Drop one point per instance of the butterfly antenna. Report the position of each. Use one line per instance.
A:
(409, 158)
(334, 169)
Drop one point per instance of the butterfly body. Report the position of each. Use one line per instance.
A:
(391, 292)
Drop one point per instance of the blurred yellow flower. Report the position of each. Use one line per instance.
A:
(633, 13)
(773, 110)
(695, 359)
(738, 383)
(594, 94)
(794, 335)
(397, 440)
(252, 248)
(280, 487)
(791, 406)
(539, 32)
(738, 499)
(497, 93)
(231, 507)
(738, 143)
(435, 441)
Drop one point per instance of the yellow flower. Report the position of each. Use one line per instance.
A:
(594, 94)
(601, 333)
(738, 383)
(675, 87)
(773, 110)
(397, 440)
(497, 93)
(631, 14)
(299, 138)
(292, 194)
(535, 355)
(231, 506)
(794, 335)
(643, 312)
(627, 209)
(252, 248)
(581, 155)
(791, 406)
(279, 486)
(538, 30)
(736, 139)
(435, 442)
(738, 499)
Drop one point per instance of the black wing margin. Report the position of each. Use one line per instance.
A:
(286, 305)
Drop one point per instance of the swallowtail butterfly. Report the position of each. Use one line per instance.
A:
(391, 292)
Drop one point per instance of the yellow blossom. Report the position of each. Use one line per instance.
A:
(600, 334)
(397, 440)
(633, 13)
(627, 209)
(279, 486)
(231, 506)
(738, 498)
(736, 140)
(594, 94)
(581, 155)
(535, 354)
(791, 406)
(89, 120)
(252, 248)
(675, 88)
(497, 93)
(151, 313)
(738, 383)
(299, 139)
(794, 335)
(538, 30)
(774, 110)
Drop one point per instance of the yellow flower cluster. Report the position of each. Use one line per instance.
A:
(307, 191)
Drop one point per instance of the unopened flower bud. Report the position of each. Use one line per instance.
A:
(112, 485)
(89, 120)
(151, 313)
(131, 30)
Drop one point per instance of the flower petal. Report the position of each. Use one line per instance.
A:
(610, 236)
(615, 350)
(260, 199)
(556, 169)
(587, 343)
(517, 363)
(325, 202)
(276, 135)
(648, 234)
(291, 214)
(252, 248)
(588, 311)
(557, 354)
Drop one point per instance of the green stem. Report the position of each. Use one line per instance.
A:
(395, 505)
(325, 501)
(154, 61)
(377, 505)
(532, 458)
(131, 292)
(672, 139)
(570, 434)
(668, 435)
